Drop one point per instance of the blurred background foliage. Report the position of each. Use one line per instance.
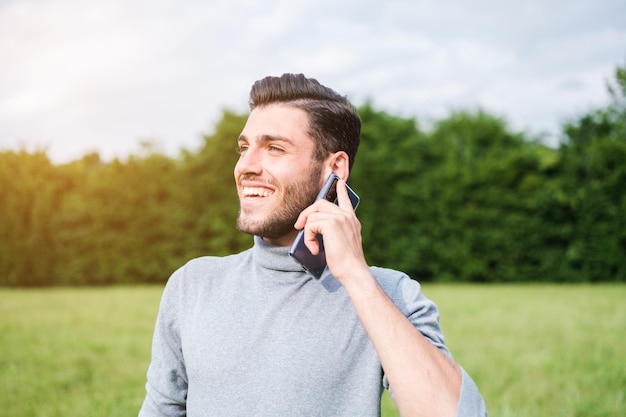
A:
(465, 199)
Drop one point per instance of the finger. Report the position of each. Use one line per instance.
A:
(306, 213)
(319, 222)
(310, 240)
(301, 221)
(342, 195)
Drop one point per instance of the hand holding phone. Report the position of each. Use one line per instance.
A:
(316, 264)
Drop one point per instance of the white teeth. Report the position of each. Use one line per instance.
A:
(256, 191)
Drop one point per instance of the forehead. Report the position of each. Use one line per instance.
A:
(277, 120)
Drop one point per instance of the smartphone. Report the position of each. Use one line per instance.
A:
(316, 264)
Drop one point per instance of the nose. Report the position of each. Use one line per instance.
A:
(249, 162)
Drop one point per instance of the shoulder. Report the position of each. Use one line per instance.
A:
(205, 270)
(214, 264)
(406, 293)
(397, 285)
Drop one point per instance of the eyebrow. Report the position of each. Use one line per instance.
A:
(267, 138)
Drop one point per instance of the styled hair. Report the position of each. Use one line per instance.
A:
(333, 121)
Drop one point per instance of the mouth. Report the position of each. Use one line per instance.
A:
(256, 192)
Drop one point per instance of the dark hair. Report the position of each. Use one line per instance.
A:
(333, 121)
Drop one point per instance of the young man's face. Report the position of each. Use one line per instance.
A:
(277, 176)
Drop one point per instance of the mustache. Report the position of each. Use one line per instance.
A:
(255, 178)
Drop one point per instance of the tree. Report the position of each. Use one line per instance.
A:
(30, 194)
(482, 190)
(211, 202)
(593, 170)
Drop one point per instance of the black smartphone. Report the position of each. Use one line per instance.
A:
(315, 264)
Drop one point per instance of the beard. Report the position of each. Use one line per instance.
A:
(297, 196)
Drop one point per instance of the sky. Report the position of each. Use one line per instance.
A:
(80, 76)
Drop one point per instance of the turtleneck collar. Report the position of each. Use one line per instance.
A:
(274, 257)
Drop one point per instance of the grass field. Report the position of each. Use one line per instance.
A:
(549, 350)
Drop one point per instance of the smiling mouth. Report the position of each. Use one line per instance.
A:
(256, 192)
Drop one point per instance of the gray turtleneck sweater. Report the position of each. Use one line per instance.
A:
(252, 334)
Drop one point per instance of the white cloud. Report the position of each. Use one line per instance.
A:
(101, 75)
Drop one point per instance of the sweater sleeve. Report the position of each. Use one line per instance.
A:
(166, 387)
(424, 315)
(471, 403)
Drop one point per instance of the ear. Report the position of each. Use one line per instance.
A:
(339, 163)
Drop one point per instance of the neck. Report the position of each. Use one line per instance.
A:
(285, 240)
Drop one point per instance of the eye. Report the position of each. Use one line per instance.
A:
(275, 149)
(241, 149)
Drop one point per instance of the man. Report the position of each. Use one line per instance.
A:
(253, 334)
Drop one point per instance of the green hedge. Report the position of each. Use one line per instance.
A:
(464, 200)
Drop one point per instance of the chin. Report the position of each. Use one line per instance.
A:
(251, 226)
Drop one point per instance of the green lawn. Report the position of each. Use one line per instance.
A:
(534, 350)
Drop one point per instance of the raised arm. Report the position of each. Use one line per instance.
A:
(423, 379)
